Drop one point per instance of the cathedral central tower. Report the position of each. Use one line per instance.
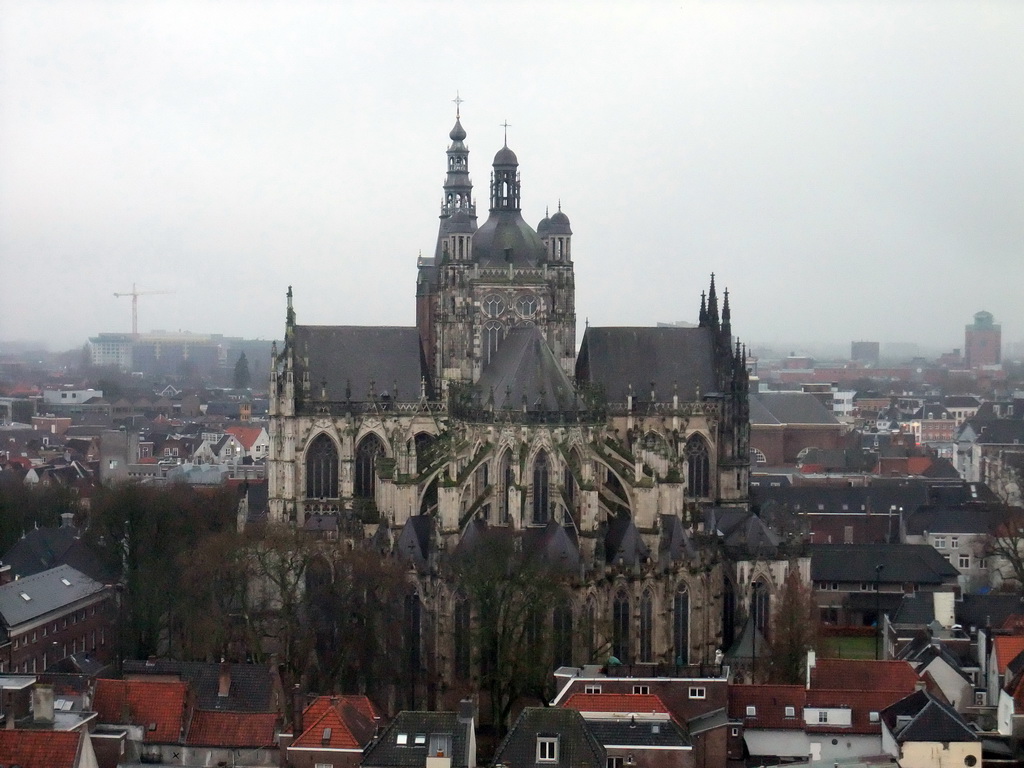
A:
(483, 282)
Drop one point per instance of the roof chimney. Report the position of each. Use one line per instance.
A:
(297, 708)
(224, 681)
(812, 661)
(42, 704)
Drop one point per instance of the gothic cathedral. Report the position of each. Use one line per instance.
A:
(605, 456)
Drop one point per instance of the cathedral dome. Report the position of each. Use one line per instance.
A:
(458, 133)
(505, 156)
(506, 238)
(560, 224)
(544, 227)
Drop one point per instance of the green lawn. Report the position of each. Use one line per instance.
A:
(848, 647)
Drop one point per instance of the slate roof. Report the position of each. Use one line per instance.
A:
(47, 592)
(663, 734)
(555, 545)
(741, 530)
(674, 544)
(252, 685)
(351, 356)
(1002, 432)
(40, 749)
(525, 367)
(386, 751)
(675, 359)
(903, 563)
(790, 408)
(623, 543)
(44, 548)
(577, 745)
(143, 702)
(232, 729)
(930, 720)
(973, 518)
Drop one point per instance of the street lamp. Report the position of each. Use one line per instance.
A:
(878, 610)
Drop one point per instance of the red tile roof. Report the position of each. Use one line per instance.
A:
(1007, 648)
(232, 729)
(39, 749)
(246, 435)
(860, 703)
(769, 703)
(320, 704)
(340, 736)
(616, 702)
(863, 675)
(145, 703)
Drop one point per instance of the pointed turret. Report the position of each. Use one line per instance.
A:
(713, 304)
(703, 318)
(458, 211)
(726, 317)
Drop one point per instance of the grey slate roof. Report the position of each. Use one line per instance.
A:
(904, 563)
(791, 408)
(673, 358)
(638, 733)
(524, 366)
(353, 356)
(386, 751)
(44, 548)
(623, 543)
(930, 720)
(968, 519)
(46, 591)
(577, 747)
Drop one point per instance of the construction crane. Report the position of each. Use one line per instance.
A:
(135, 293)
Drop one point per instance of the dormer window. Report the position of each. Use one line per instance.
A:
(547, 749)
(402, 740)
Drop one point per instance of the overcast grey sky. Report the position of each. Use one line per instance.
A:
(850, 170)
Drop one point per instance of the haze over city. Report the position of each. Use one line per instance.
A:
(849, 171)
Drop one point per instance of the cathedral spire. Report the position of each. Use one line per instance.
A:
(703, 318)
(713, 304)
(458, 211)
(726, 316)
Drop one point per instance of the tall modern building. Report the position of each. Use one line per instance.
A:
(982, 341)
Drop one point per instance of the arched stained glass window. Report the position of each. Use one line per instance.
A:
(681, 626)
(369, 450)
(620, 627)
(322, 469)
(541, 484)
(646, 627)
(698, 468)
(760, 606)
(504, 485)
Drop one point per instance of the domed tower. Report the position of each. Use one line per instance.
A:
(505, 277)
(458, 211)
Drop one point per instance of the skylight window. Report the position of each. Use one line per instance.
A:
(421, 740)
(65, 582)
(403, 739)
(25, 596)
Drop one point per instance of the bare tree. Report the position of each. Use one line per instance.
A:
(794, 631)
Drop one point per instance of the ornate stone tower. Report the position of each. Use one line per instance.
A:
(483, 282)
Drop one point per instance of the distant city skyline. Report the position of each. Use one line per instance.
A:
(849, 171)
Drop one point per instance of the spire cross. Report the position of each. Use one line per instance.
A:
(458, 104)
(505, 125)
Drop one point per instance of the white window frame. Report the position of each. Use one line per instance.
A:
(822, 716)
(641, 690)
(751, 710)
(698, 692)
(547, 749)
(592, 689)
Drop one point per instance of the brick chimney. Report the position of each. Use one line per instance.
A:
(224, 680)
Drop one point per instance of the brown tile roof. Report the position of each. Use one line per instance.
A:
(246, 435)
(616, 702)
(232, 729)
(329, 724)
(39, 749)
(769, 703)
(146, 703)
(863, 675)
